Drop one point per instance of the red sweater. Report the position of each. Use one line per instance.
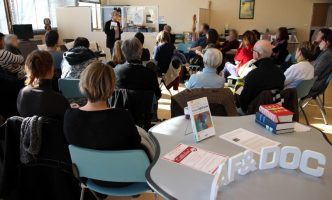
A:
(243, 55)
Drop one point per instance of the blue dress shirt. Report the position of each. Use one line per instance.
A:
(208, 78)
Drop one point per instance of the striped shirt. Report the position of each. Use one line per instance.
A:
(13, 63)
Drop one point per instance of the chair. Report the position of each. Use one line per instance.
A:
(303, 89)
(183, 47)
(126, 166)
(221, 101)
(69, 88)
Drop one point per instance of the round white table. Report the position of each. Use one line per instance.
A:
(174, 181)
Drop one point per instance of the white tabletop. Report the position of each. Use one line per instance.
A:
(180, 182)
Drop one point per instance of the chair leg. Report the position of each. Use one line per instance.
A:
(82, 192)
(321, 103)
(156, 196)
(305, 115)
(321, 110)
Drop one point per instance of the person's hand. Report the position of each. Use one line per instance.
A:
(74, 105)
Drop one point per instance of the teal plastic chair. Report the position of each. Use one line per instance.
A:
(303, 89)
(126, 166)
(70, 88)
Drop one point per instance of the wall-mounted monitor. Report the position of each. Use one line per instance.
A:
(23, 31)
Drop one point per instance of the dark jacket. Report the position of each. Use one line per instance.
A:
(48, 177)
(134, 76)
(266, 76)
(229, 45)
(41, 101)
(110, 34)
(280, 51)
(163, 55)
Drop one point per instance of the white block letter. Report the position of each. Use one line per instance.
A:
(234, 164)
(319, 171)
(263, 164)
(294, 164)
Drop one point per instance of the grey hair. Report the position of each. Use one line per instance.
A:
(264, 48)
(132, 49)
(168, 28)
(212, 58)
(9, 38)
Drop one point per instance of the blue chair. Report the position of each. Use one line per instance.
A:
(70, 88)
(303, 89)
(111, 166)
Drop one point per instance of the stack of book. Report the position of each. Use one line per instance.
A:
(275, 119)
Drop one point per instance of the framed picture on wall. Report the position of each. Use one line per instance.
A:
(247, 9)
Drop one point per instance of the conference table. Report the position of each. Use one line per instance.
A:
(174, 181)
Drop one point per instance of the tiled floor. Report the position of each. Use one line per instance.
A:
(312, 111)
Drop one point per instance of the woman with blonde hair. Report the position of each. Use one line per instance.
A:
(117, 56)
(38, 97)
(164, 51)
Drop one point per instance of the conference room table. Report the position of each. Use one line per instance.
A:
(174, 181)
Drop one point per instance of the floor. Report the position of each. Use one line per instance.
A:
(312, 111)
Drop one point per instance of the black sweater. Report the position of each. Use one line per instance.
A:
(134, 76)
(267, 76)
(41, 101)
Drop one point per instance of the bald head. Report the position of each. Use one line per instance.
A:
(262, 49)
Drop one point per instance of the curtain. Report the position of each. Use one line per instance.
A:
(3, 19)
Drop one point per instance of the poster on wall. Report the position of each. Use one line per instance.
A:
(247, 9)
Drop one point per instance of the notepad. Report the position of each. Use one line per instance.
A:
(195, 158)
(248, 140)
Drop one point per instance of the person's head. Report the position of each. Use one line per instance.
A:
(326, 42)
(203, 28)
(257, 33)
(11, 40)
(51, 38)
(132, 49)
(168, 28)
(114, 15)
(249, 38)
(212, 36)
(38, 65)
(321, 33)
(233, 35)
(262, 49)
(282, 34)
(140, 37)
(303, 52)
(212, 58)
(163, 37)
(117, 55)
(1, 40)
(81, 42)
(97, 82)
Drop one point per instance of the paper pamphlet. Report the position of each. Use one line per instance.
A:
(248, 140)
(196, 158)
(201, 119)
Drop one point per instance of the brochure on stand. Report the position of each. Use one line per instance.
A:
(195, 158)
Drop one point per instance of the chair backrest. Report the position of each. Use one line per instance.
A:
(221, 101)
(111, 166)
(304, 87)
(70, 88)
(138, 102)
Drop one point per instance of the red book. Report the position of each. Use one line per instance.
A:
(276, 113)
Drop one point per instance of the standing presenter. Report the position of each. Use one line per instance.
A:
(112, 30)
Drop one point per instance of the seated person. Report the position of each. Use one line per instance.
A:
(133, 75)
(243, 54)
(231, 43)
(212, 37)
(257, 33)
(323, 63)
(302, 70)
(266, 76)
(208, 78)
(168, 29)
(146, 53)
(280, 45)
(77, 59)
(11, 44)
(117, 55)
(318, 39)
(164, 51)
(201, 42)
(11, 62)
(38, 97)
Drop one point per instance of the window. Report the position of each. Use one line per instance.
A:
(3, 18)
(34, 11)
(96, 14)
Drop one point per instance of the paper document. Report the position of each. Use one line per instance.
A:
(248, 140)
(301, 128)
(196, 158)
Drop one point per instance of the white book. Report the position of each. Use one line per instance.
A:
(201, 119)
